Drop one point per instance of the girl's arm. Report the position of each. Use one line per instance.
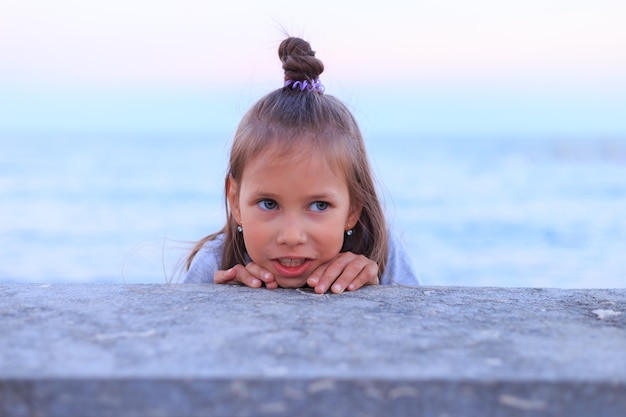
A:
(399, 268)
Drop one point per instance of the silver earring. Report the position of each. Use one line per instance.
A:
(239, 228)
(349, 232)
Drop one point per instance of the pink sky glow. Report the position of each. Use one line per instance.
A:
(199, 43)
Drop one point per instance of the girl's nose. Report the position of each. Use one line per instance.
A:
(292, 232)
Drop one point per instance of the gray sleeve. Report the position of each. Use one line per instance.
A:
(206, 262)
(399, 269)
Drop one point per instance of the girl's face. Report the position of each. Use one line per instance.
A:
(294, 213)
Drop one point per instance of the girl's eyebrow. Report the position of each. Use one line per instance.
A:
(323, 196)
(329, 195)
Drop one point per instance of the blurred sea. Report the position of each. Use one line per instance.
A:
(494, 212)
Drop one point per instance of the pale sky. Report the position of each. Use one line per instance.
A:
(571, 50)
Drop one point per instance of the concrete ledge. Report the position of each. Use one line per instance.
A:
(199, 350)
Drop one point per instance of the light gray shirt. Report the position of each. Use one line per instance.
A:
(398, 270)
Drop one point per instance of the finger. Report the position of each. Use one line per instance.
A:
(354, 270)
(260, 273)
(225, 276)
(314, 278)
(331, 271)
(271, 285)
(367, 276)
(341, 271)
(238, 274)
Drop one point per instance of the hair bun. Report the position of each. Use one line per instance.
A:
(299, 62)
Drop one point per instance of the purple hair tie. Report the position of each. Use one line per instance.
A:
(313, 85)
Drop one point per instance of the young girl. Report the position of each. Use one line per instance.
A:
(301, 204)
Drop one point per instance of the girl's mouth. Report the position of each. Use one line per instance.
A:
(291, 267)
(291, 262)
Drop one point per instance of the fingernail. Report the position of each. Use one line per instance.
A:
(313, 281)
(256, 282)
(267, 275)
(337, 288)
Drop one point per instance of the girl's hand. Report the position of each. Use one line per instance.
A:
(250, 275)
(347, 271)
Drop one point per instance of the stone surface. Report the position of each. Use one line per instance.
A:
(200, 350)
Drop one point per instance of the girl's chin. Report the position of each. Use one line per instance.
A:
(291, 282)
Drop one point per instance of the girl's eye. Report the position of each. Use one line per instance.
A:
(268, 204)
(319, 206)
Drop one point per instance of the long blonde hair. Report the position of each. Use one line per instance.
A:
(293, 120)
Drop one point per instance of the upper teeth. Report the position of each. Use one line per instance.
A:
(290, 263)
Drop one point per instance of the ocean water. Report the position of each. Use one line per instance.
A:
(96, 207)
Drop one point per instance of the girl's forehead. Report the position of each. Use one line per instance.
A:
(306, 154)
(303, 160)
(296, 176)
(267, 159)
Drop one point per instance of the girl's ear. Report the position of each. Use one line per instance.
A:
(232, 190)
(353, 216)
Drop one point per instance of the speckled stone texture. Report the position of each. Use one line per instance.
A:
(211, 350)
